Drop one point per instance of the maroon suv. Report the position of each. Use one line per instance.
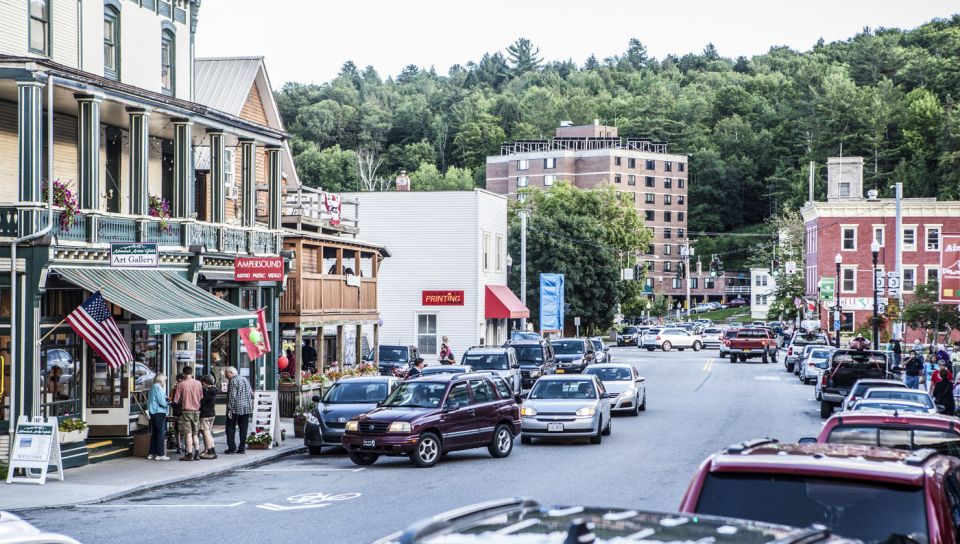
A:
(427, 417)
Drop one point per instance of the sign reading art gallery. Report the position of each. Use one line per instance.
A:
(134, 255)
(950, 268)
(258, 269)
(443, 298)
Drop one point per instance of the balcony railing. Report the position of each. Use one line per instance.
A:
(737, 290)
(318, 294)
(103, 229)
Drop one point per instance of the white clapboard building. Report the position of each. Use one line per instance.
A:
(448, 272)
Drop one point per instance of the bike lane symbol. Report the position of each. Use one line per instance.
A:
(309, 500)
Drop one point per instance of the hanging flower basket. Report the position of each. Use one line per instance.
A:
(159, 207)
(62, 198)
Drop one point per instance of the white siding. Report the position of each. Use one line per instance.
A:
(66, 28)
(13, 27)
(8, 150)
(435, 240)
(92, 13)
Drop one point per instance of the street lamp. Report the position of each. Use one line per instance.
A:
(875, 248)
(836, 296)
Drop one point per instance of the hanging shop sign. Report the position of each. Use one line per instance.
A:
(443, 298)
(258, 269)
(950, 268)
(134, 255)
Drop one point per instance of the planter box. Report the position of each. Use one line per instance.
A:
(257, 446)
(74, 436)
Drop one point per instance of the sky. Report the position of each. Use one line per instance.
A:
(307, 41)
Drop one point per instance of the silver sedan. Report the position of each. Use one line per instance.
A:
(573, 405)
(625, 386)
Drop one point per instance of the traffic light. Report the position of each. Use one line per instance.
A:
(774, 268)
(713, 269)
(719, 268)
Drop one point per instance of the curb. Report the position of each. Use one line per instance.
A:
(176, 481)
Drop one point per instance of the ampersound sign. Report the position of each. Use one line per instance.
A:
(258, 269)
(950, 268)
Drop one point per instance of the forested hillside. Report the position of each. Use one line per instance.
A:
(750, 125)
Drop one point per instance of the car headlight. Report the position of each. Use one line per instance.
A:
(586, 411)
(312, 419)
(534, 373)
(528, 411)
(399, 427)
(352, 426)
(628, 393)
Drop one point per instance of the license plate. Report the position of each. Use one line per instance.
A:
(369, 442)
(559, 371)
(844, 392)
(555, 427)
(746, 350)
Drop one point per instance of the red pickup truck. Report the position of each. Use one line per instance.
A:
(753, 342)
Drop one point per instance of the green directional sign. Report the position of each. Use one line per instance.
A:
(827, 288)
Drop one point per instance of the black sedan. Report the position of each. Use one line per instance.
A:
(347, 397)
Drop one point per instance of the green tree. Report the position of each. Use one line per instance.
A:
(790, 233)
(523, 57)
(332, 169)
(428, 178)
(660, 306)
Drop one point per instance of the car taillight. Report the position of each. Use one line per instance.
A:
(658, 337)
(824, 379)
(791, 351)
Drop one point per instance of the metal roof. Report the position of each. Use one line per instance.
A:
(223, 83)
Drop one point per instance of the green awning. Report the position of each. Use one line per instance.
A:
(647, 290)
(169, 303)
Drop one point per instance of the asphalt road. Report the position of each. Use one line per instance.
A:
(697, 403)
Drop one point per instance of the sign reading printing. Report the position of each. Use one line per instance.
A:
(258, 269)
(950, 268)
(443, 298)
(134, 255)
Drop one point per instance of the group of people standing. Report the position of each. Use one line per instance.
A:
(194, 406)
(932, 370)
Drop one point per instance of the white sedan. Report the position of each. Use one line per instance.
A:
(627, 389)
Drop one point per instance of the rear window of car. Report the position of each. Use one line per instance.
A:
(946, 442)
(847, 506)
(730, 334)
(752, 333)
(856, 360)
(815, 340)
(904, 394)
(712, 331)
(820, 354)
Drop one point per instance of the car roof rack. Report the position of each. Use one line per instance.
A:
(747, 444)
(919, 457)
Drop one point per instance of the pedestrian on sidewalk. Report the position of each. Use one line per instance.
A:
(190, 393)
(943, 393)
(177, 408)
(446, 354)
(157, 403)
(897, 352)
(208, 412)
(239, 408)
(912, 368)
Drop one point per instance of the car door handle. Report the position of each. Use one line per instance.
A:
(471, 411)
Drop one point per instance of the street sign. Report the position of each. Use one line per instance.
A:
(880, 282)
(836, 316)
(836, 324)
(826, 288)
(893, 292)
(144, 255)
(791, 267)
(893, 282)
(576, 321)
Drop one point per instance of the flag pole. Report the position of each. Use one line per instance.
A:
(57, 326)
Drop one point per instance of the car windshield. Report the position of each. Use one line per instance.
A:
(496, 361)
(355, 392)
(848, 507)
(921, 397)
(563, 389)
(861, 388)
(568, 347)
(416, 395)
(392, 354)
(610, 374)
(444, 369)
(630, 330)
(533, 354)
(889, 406)
(946, 442)
(815, 340)
(517, 335)
(597, 345)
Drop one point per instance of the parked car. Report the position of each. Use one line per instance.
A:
(909, 430)
(670, 338)
(735, 326)
(802, 359)
(503, 361)
(759, 324)
(798, 342)
(524, 335)
(601, 351)
(845, 367)
(437, 370)
(737, 302)
(427, 417)
(566, 406)
(884, 405)
(526, 521)
(536, 359)
(813, 364)
(345, 399)
(572, 354)
(861, 387)
(702, 307)
(711, 336)
(877, 495)
(628, 336)
(394, 356)
(15, 530)
(753, 342)
(626, 387)
(902, 393)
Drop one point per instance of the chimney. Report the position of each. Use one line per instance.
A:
(813, 166)
(596, 122)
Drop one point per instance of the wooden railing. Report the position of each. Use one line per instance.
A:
(318, 294)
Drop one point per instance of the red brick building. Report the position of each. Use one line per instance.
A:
(847, 224)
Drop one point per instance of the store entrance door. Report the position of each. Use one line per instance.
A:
(108, 394)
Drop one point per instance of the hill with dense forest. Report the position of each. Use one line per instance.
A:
(751, 126)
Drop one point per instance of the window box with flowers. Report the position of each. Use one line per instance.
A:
(72, 430)
(259, 440)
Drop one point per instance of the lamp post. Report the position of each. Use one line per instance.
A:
(875, 248)
(836, 297)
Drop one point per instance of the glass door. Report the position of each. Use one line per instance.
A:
(108, 394)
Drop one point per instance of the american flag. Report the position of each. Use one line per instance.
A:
(94, 322)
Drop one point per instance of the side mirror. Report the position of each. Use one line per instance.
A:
(640, 380)
(515, 365)
(605, 395)
(316, 398)
(379, 403)
(807, 440)
(606, 350)
(451, 407)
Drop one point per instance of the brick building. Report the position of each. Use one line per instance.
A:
(847, 224)
(641, 170)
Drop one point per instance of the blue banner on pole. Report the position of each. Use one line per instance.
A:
(551, 303)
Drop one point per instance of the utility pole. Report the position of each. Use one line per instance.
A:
(898, 332)
(686, 273)
(523, 265)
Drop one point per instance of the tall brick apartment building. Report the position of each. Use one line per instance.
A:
(640, 169)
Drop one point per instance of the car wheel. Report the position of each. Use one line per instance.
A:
(765, 358)
(723, 355)
(650, 349)
(596, 439)
(825, 409)
(666, 346)
(313, 450)
(363, 458)
(609, 429)
(524, 439)
(743, 358)
(697, 346)
(636, 407)
(502, 443)
(428, 450)
(643, 403)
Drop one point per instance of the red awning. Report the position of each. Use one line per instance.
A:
(503, 304)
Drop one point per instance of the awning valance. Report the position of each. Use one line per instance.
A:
(168, 303)
(218, 275)
(503, 304)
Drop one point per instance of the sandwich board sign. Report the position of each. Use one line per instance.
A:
(36, 445)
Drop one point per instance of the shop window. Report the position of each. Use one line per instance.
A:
(249, 299)
(107, 387)
(427, 333)
(5, 303)
(147, 359)
(57, 303)
(60, 368)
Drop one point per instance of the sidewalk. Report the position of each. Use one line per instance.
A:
(131, 475)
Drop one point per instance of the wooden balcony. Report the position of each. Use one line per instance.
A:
(318, 295)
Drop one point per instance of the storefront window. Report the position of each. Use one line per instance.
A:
(147, 359)
(60, 366)
(249, 299)
(220, 350)
(4, 379)
(107, 387)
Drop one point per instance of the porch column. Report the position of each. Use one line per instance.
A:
(139, 160)
(248, 182)
(376, 345)
(218, 200)
(274, 180)
(182, 168)
(298, 355)
(359, 347)
(340, 346)
(321, 350)
(88, 150)
(30, 145)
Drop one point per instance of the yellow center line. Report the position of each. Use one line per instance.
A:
(704, 369)
(708, 366)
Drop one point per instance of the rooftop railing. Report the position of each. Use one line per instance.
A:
(585, 143)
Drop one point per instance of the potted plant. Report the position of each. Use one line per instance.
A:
(300, 419)
(259, 440)
(72, 430)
